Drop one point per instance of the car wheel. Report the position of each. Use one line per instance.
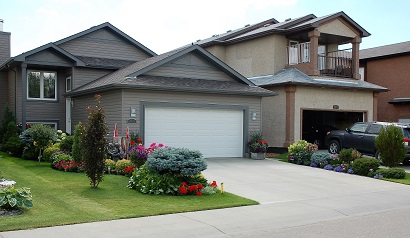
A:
(377, 156)
(334, 147)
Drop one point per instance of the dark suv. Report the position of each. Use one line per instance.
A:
(361, 136)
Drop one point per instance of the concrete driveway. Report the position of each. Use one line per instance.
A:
(296, 201)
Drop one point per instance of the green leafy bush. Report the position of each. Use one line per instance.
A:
(9, 119)
(11, 197)
(150, 182)
(320, 158)
(301, 152)
(391, 146)
(95, 144)
(176, 160)
(77, 151)
(30, 153)
(349, 155)
(109, 165)
(40, 136)
(392, 173)
(66, 144)
(49, 151)
(363, 166)
(14, 146)
(122, 164)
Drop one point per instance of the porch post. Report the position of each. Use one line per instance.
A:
(314, 47)
(290, 115)
(375, 96)
(24, 95)
(355, 57)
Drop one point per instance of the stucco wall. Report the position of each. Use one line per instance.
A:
(325, 98)
(218, 51)
(394, 74)
(265, 55)
(337, 27)
(274, 118)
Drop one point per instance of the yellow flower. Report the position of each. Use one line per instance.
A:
(35, 143)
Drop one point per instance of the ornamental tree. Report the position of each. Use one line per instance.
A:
(95, 144)
(391, 146)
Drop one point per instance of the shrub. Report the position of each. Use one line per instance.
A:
(109, 165)
(11, 197)
(138, 155)
(30, 153)
(320, 158)
(64, 161)
(148, 181)
(391, 146)
(180, 161)
(363, 166)
(77, 149)
(14, 146)
(349, 155)
(95, 144)
(49, 151)
(392, 173)
(301, 152)
(4, 126)
(66, 144)
(121, 165)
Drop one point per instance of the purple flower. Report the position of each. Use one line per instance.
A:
(328, 167)
(313, 165)
(339, 169)
(350, 171)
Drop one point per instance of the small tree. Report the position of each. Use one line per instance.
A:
(8, 118)
(95, 144)
(79, 132)
(39, 135)
(391, 146)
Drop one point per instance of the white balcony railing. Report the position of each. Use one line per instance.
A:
(298, 53)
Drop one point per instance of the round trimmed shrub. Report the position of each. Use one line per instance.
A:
(180, 161)
(349, 155)
(66, 144)
(49, 151)
(320, 158)
(122, 164)
(392, 173)
(364, 166)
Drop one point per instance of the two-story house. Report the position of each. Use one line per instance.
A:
(388, 66)
(312, 62)
(184, 98)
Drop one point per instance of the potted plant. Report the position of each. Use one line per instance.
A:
(258, 146)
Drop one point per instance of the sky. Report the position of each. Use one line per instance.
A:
(163, 25)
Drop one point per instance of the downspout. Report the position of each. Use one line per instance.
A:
(15, 91)
(24, 95)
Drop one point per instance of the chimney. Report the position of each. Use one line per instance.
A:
(4, 44)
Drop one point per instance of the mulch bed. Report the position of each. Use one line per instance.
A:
(11, 212)
(271, 155)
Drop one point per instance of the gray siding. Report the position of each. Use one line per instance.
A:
(111, 101)
(133, 98)
(190, 66)
(48, 57)
(104, 43)
(82, 76)
(4, 46)
(49, 111)
(15, 95)
(3, 93)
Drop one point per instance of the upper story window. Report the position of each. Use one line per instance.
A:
(68, 84)
(42, 85)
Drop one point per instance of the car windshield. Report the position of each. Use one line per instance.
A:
(406, 132)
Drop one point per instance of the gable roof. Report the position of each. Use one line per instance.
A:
(288, 26)
(22, 57)
(112, 28)
(133, 76)
(385, 51)
(294, 76)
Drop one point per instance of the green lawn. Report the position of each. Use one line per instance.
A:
(406, 179)
(61, 198)
(282, 157)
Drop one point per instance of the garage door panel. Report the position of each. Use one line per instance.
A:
(215, 132)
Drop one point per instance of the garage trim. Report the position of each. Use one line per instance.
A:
(245, 109)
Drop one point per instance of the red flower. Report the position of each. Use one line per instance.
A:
(182, 190)
(129, 169)
(198, 193)
(132, 142)
(200, 186)
(139, 140)
(184, 184)
(259, 141)
(264, 142)
(213, 184)
(192, 188)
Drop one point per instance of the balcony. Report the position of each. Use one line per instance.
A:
(336, 63)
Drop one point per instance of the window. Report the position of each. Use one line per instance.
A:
(374, 129)
(359, 127)
(68, 84)
(42, 85)
(50, 124)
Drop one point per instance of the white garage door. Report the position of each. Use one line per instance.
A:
(214, 132)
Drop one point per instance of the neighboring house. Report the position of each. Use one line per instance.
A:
(389, 66)
(186, 97)
(302, 60)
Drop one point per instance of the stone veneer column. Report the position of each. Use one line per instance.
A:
(290, 115)
(355, 57)
(375, 96)
(314, 47)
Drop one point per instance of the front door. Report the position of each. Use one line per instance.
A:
(68, 115)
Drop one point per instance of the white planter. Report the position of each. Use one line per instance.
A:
(258, 156)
